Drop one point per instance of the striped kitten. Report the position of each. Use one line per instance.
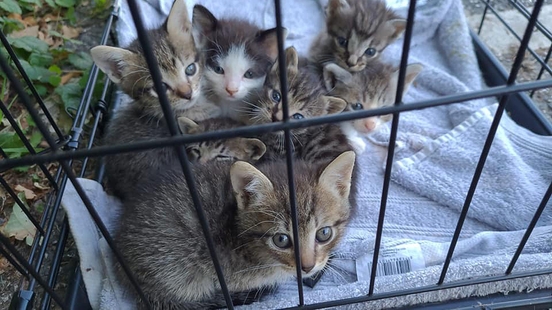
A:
(248, 211)
(306, 99)
(238, 56)
(246, 149)
(178, 59)
(372, 88)
(357, 32)
(181, 66)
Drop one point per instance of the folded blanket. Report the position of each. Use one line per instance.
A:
(436, 155)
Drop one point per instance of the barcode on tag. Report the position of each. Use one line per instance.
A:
(387, 267)
(395, 260)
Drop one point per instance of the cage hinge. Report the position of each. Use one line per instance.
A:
(73, 142)
(22, 300)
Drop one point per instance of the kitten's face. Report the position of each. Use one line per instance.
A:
(306, 97)
(360, 30)
(246, 149)
(176, 54)
(238, 54)
(372, 88)
(264, 221)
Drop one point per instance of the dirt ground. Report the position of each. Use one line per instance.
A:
(92, 31)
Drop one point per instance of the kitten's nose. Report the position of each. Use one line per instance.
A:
(184, 91)
(231, 92)
(352, 61)
(307, 268)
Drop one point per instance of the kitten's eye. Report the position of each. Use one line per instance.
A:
(191, 70)
(297, 116)
(248, 74)
(219, 70)
(276, 97)
(281, 241)
(342, 41)
(324, 234)
(357, 106)
(223, 157)
(371, 52)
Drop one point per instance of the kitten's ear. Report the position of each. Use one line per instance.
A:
(334, 104)
(204, 24)
(112, 60)
(178, 24)
(292, 59)
(335, 6)
(251, 187)
(337, 175)
(412, 72)
(333, 73)
(393, 29)
(268, 40)
(187, 126)
(254, 148)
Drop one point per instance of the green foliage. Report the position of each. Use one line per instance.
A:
(81, 60)
(10, 6)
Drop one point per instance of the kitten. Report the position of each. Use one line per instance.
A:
(357, 32)
(306, 99)
(247, 149)
(238, 56)
(143, 119)
(372, 88)
(178, 59)
(249, 216)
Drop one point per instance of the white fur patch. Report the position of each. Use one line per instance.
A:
(235, 64)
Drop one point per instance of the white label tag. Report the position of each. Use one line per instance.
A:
(394, 260)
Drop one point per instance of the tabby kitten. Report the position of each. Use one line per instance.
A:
(249, 216)
(247, 149)
(357, 32)
(372, 88)
(179, 61)
(238, 56)
(306, 98)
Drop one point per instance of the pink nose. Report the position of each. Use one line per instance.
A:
(231, 92)
(369, 125)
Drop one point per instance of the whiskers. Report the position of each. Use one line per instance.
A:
(259, 267)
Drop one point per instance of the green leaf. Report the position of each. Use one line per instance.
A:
(10, 140)
(41, 90)
(55, 69)
(10, 24)
(81, 60)
(19, 225)
(29, 44)
(36, 2)
(66, 3)
(35, 139)
(10, 6)
(54, 80)
(70, 15)
(70, 95)
(21, 169)
(40, 59)
(36, 73)
(51, 3)
(30, 120)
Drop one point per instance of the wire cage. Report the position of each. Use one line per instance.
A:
(40, 275)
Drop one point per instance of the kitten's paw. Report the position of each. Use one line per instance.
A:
(358, 145)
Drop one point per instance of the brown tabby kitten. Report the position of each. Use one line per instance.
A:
(372, 88)
(247, 149)
(306, 98)
(357, 32)
(179, 61)
(238, 56)
(176, 55)
(249, 216)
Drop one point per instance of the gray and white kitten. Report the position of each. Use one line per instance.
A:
(357, 32)
(248, 211)
(373, 87)
(181, 66)
(238, 56)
